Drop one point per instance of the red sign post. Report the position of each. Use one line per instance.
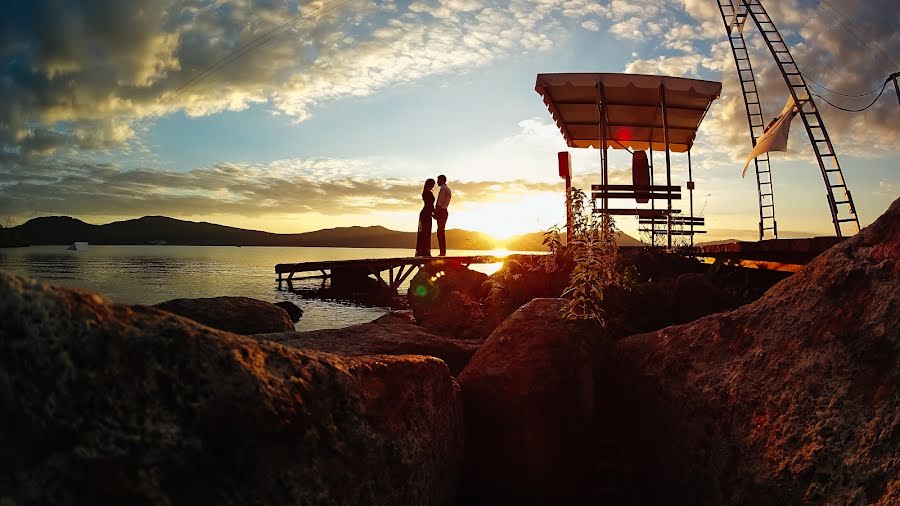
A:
(565, 172)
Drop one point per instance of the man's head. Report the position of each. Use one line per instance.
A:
(441, 180)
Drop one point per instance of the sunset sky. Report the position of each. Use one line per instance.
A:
(340, 120)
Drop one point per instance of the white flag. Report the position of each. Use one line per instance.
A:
(735, 4)
(775, 138)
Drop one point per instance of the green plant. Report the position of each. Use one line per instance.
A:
(595, 253)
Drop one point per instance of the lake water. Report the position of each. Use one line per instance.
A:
(152, 274)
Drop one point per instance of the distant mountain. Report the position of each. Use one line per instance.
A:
(533, 241)
(151, 229)
(10, 238)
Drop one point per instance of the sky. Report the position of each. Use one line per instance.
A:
(113, 110)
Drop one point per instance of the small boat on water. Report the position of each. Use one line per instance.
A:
(78, 246)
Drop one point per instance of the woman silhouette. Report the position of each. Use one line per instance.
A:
(423, 239)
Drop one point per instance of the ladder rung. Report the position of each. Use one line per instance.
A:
(845, 220)
(842, 202)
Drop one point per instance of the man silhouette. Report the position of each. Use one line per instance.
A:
(441, 213)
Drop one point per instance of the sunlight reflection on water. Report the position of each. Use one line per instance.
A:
(152, 274)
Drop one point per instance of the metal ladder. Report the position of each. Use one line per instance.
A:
(755, 118)
(843, 211)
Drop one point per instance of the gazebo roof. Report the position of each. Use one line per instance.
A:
(633, 108)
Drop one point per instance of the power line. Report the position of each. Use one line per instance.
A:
(883, 86)
(810, 79)
(859, 30)
(844, 22)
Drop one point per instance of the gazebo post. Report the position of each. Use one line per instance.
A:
(652, 201)
(665, 112)
(690, 185)
(604, 154)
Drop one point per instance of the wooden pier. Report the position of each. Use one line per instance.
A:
(787, 255)
(389, 273)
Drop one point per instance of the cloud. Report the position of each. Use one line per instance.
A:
(295, 186)
(590, 25)
(888, 189)
(825, 51)
(681, 66)
(79, 74)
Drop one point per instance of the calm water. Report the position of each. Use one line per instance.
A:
(152, 274)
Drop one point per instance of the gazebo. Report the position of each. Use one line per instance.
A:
(636, 113)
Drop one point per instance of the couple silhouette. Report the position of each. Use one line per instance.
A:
(436, 210)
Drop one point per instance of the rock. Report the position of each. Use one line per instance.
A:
(528, 400)
(241, 315)
(650, 264)
(293, 311)
(450, 300)
(655, 304)
(104, 403)
(404, 316)
(381, 339)
(523, 278)
(791, 399)
(695, 296)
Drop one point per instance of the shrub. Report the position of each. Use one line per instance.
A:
(595, 254)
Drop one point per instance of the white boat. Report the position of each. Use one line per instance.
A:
(78, 246)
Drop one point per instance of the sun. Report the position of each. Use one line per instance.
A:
(511, 216)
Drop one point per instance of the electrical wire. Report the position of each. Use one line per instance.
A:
(884, 59)
(883, 86)
(817, 83)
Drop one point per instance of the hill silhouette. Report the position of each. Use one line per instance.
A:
(149, 229)
(532, 241)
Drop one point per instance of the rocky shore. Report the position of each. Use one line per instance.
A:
(481, 394)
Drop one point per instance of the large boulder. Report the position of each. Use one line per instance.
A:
(400, 316)
(529, 407)
(655, 304)
(792, 399)
(449, 299)
(526, 277)
(695, 295)
(241, 315)
(103, 403)
(381, 339)
(294, 312)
